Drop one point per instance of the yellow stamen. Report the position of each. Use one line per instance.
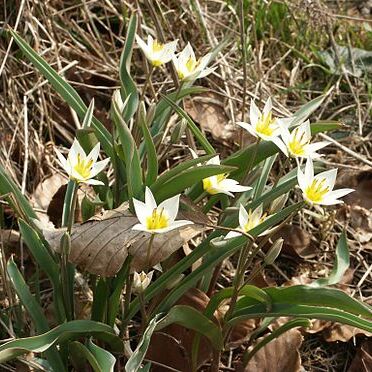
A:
(191, 64)
(317, 190)
(157, 47)
(297, 145)
(252, 223)
(210, 186)
(158, 220)
(266, 125)
(83, 167)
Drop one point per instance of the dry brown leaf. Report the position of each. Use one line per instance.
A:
(343, 332)
(101, 244)
(208, 111)
(297, 242)
(362, 361)
(279, 355)
(172, 346)
(10, 239)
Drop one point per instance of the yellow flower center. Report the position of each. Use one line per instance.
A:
(297, 144)
(252, 223)
(83, 167)
(266, 125)
(157, 47)
(211, 187)
(317, 190)
(191, 64)
(157, 220)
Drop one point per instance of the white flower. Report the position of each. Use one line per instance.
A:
(81, 167)
(263, 125)
(141, 281)
(318, 189)
(297, 143)
(247, 220)
(157, 219)
(188, 67)
(157, 53)
(220, 184)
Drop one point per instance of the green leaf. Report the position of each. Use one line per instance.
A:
(163, 108)
(99, 307)
(173, 172)
(306, 110)
(131, 156)
(302, 311)
(63, 333)
(7, 185)
(99, 359)
(188, 178)
(46, 261)
(341, 264)
(135, 361)
(194, 129)
(191, 318)
(317, 297)
(128, 87)
(248, 291)
(36, 314)
(261, 183)
(152, 158)
(223, 249)
(87, 121)
(275, 334)
(67, 92)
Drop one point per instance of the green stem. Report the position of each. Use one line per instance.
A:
(67, 269)
(149, 251)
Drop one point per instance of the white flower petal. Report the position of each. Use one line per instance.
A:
(329, 176)
(249, 128)
(142, 211)
(280, 144)
(313, 147)
(309, 172)
(93, 182)
(336, 194)
(254, 113)
(214, 161)
(93, 155)
(140, 227)
(174, 225)
(257, 214)
(62, 160)
(268, 107)
(205, 72)
(74, 151)
(284, 132)
(99, 167)
(233, 185)
(171, 206)
(305, 128)
(149, 199)
(232, 234)
(243, 216)
(301, 179)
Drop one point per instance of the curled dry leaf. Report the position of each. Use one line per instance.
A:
(208, 111)
(280, 355)
(297, 242)
(101, 244)
(362, 361)
(343, 332)
(172, 346)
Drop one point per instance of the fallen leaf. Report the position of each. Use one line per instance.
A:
(172, 347)
(343, 332)
(208, 111)
(297, 242)
(362, 361)
(280, 355)
(101, 244)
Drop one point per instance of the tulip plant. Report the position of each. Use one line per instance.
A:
(251, 208)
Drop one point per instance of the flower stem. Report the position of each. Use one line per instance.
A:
(149, 251)
(68, 270)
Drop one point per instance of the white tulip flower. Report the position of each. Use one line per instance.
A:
(157, 53)
(155, 218)
(188, 67)
(141, 281)
(81, 167)
(247, 220)
(319, 189)
(262, 124)
(296, 144)
(220, 184)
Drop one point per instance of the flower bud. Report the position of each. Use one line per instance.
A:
(116, 97)
(274, 252)
(141, 281)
